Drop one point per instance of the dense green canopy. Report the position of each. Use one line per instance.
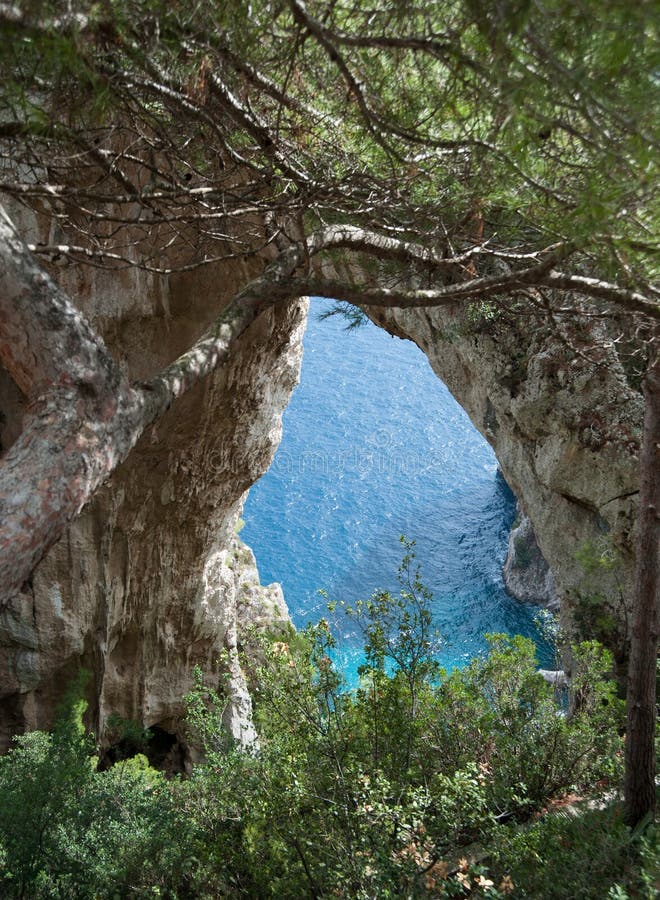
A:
(513, 127)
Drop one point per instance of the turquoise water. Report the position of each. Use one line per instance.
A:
(374, 447)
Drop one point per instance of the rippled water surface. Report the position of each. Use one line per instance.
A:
(374, 447)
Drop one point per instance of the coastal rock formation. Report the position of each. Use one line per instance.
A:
(140, 589)
(242, 603)
(563, 416)
(526, 574)
(147, 583)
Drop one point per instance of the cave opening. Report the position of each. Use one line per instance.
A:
(162, 748)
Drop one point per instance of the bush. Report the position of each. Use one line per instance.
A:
(585, 853)
(500, 712)
(364, 794)
(69, 831)
(408, 786)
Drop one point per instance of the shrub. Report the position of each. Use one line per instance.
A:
(408, 786)
(592, 852)
(68, 831)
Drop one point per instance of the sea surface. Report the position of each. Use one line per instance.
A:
(375, 447)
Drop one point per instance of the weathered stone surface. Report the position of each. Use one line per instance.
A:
(236, 597)
(565, 424)
(556, 677)
(137, 590)
(526, 574)
(141, 588)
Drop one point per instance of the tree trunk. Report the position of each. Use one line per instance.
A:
(639, 788)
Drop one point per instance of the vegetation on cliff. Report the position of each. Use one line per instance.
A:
(418, 784)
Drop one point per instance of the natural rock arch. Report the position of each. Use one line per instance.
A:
(149, 581)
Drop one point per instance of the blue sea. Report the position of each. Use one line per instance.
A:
(374, 447)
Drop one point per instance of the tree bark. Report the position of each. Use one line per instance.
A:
(640, 763)
(80, 411)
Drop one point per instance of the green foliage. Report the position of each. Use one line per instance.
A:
(38, 783)
(352, 315)
(204, 715)
(414, 785)
(502, 710)
(67, 830)
(600, 609)
(595, 614)
(597, 557)
(125, 731)
(586, 853)
(377, 792)
(411, 116)
(482, 316)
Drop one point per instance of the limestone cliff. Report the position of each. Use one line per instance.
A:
(140, 589)
(145, 584)
(565, 424)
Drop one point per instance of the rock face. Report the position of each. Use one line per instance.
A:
(242, 604)
(565, 423)
(145, 584)
(151, 581)
(526, 574)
